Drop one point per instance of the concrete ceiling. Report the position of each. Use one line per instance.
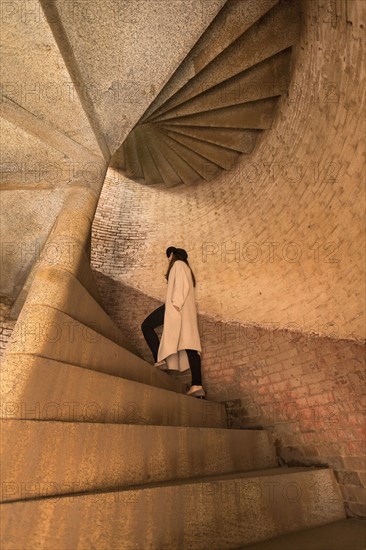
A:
(122, 53)
(75, 79)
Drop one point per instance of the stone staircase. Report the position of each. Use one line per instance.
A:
(100, 450)
(93, 460)
(219, 101)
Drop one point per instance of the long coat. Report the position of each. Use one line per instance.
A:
(180, 330)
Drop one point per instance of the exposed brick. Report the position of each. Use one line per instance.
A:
(134, 222)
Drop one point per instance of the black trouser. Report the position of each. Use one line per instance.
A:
(156, 319)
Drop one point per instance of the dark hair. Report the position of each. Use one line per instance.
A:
(176, 256)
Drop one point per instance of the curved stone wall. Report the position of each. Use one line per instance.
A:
(279, 241)
(277, 247)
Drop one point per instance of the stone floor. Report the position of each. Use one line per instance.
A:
(347, 534)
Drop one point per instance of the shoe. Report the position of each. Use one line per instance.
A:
(161, 365)
(196, 391)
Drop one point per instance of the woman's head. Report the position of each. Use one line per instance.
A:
(178, 253)
(174, 254)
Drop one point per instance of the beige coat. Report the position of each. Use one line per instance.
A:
(180, 331)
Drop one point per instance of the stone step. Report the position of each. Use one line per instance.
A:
(277, 30)
(345, 534)
(63, 291)
(133, 166)
(36, 388)
(239, 140)
(269, 78)
(67, 252)
(53, 458)
(168, 171)
(220, 156)
(187, 174)
(52, 334)
(253, 115)
(239, 17)
(232, 21)
(204, 167)
(151, 173)
(223, 511)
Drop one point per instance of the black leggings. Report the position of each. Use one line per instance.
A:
(156, 319)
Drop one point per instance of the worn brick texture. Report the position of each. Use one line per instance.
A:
(277, 246)
(308, 390)
(280, 238)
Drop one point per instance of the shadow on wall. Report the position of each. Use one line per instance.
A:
(308, 390)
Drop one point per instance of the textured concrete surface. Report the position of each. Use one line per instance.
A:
(266, 79)
(35, 78)
(37, 388)
(219, 512)
(57, 458)
(47, 332)
(47, 142)
(125, 52)
(63, 291)
(225, 137)
(233, 20)
(26, 220)
(225, 158)
(258, 60)
(302, 185)
(33, 158)
(279, 29)
(347, 534)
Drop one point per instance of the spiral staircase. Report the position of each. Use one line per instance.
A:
(99, 449)
(219, 101)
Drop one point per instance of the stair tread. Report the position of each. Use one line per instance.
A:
(54, 285)
(345, 534)
(195, 480)
(270, 35)
(121, 362)
(268, 78)
(230, 23)
(102, 456)
(64, 383)
(166, 169)
(200, 164)
(220, 156)
(252, 115)
(197, 513)
(238, 19)
(151, 173)
(277, 470)
(242, 141)
(182, 164)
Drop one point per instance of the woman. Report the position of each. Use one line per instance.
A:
(180, 342)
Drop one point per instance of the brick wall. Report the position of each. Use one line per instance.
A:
(277, 246)
(308, 390)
